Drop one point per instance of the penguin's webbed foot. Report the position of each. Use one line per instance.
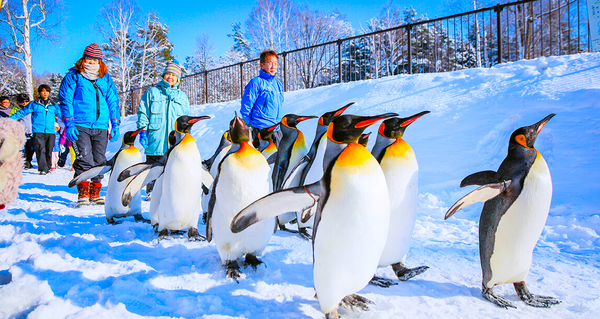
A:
(163, 234)
(252, 261)
(303, 231)
(194, 235)
(155, 227)
(405, 274)
(283, 228)
(204, 217)
(355, 302)
(534, 300)
(112, 221)
(489, 295)
(140, 218)
(177, 232)
(382, 282)
(332, 315)
(233, 271)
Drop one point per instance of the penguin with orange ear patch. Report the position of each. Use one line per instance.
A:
(399, 164)
(517, 200)
(243, 177)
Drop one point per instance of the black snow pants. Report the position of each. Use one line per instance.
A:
(91, 146)
(43, 143)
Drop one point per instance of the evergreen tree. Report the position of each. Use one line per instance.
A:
(240, 44)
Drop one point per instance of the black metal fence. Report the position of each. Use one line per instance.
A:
(482, 38)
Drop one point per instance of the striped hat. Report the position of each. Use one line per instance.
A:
(174, 68)
(93, 51)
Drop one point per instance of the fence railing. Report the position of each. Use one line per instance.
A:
(481, 38)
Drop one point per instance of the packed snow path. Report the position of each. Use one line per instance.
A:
(57, 261)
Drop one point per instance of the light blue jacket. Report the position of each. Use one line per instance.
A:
(159, 108)
(77, 97)
(42, 118)
(262, 101)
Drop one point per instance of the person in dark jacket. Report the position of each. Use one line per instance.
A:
(89, 104)
(263, 98)
(29, 150)
(44, 114)
(159, 108)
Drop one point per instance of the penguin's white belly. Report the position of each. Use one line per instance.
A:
(155, 200)
(351, 233)
(402, 181)
(314, 174)
(113, 206)
(239, 186)
(521, 226)
(179, 206)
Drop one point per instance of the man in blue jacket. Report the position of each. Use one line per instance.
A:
(44, 114)
(89, 103)
(263, 97)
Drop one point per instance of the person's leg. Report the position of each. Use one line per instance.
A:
(29, 150)
(39, 146)
(99, 140)
(276, 137)
(82, 163)
(49, 148)
(150, 186)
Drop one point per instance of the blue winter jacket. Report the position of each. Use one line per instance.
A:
(159, 108)
(91, 106)
(43, 116)
(262, 101)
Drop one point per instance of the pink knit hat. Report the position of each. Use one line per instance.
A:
(93, 51)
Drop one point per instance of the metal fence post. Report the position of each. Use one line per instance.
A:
(408, 32)
(241, 79)
(339, 44)
(284, 72)
(206, 86)
(498, 9)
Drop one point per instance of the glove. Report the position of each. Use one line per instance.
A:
(71, 131)
(114, 131)
(144, 138)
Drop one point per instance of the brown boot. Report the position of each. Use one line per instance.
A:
(83, 193)
(95, 193)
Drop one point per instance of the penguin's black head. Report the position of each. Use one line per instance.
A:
(348, 128)
(364, 139)
(291, 120)
(172, 138)
(525, 136)
(326, 118)
(266, 133)
(129, 137)
(394, 127)
(239, 131)
(184, 123)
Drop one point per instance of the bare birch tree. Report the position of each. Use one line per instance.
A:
(20, 18)
(269, 24)
(117, 19)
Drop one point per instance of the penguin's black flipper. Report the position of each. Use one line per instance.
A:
(207, 181)
(479, 178)
(140, 180)
(296, 172)
(132, 170)
(300, 199)
(90, 173)
(481, 194)
(272, 158)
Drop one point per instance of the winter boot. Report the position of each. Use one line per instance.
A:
(83, 193)
(95, 193)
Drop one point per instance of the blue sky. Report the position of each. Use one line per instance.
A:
(186, 19)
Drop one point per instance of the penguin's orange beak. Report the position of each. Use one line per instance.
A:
(373, 119)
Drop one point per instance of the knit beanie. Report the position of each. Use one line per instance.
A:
(93, 51)
(174, 68)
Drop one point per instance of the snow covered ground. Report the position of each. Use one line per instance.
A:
(57, 261)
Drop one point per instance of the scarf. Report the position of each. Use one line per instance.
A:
(91, 71)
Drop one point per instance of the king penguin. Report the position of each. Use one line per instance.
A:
(182, 184)
(243, 178)
(399, 165)
(310, 167)
(126, 156)
(220, 152)
(266, 145)
(517, 201)
(290, 152)
(351, 207)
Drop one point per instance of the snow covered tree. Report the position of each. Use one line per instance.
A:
(117, 19)
(269, 25)
(202, 59)
(240, 44)
(19, 19)
(153, 50)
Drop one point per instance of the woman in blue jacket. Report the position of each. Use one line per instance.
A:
(159, 108)
(89, 103)
(44, 113)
